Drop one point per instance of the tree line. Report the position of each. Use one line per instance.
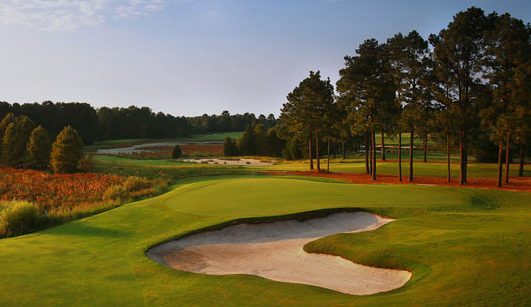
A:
(467, 86)
(24, 144)
(257, 140)
(94, 124)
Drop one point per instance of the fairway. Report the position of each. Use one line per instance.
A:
(100, 260)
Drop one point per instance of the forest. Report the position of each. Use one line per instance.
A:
(96, 124)
(467, 87)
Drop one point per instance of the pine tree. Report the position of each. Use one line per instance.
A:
(459, 56)
(230, 148)
(248, 142)
(15, 140)
(176, 152)
(304, 114)
(368, 91)
(410, 58)
(66, 151)
(38, 149)
(508, 50)
(8, 144)
(8, 119)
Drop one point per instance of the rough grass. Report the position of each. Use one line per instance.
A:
(464, 246)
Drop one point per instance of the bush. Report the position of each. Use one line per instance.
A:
(116, 193)
(18, 217)
(86, 164)
(177, 152)
(133, 184)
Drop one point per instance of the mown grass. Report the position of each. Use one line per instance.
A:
(432, 169)
(464, 247)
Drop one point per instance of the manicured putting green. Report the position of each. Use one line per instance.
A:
(464, 246)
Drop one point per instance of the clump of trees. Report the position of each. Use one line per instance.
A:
(230, 147)
(471, 79)
(257, 140)
(308, 114)
(26, 145)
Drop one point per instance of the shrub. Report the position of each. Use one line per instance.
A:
(14, 141)
(116, 193)
(177, 152)
(133, 184)
(18, 217)
(86, 164)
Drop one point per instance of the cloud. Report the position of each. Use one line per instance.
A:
(138, 8)
(69, 15)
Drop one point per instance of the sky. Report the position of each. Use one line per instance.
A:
(188, 57)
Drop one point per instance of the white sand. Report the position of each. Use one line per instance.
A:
(275, 251)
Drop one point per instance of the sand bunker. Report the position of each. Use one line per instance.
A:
(275, 251)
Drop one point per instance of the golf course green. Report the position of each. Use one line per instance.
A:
(463, 247)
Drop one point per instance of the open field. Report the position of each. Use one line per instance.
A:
(433, 169)
(207, 137)
(100, 260)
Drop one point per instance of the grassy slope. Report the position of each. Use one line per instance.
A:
(464, 246)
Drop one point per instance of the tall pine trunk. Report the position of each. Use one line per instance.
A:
(448, 153)
(317, 157)
(370, 151)
(373, 136)
(466, 155)
(367, 166)
(400, 156)
(310, 151)
(411, 138)
(522, 160)
(463, 155)
(383, 146)
(328, 155)
(507, 160)
(425, 145)
(343, 149)
(500, 163)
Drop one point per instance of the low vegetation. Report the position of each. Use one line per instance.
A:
(61, 197)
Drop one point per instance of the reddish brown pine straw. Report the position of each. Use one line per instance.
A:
(520, 184)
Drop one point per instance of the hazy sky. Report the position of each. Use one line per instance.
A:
(189, 57)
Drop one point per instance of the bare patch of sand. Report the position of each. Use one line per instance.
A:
(275, 251)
